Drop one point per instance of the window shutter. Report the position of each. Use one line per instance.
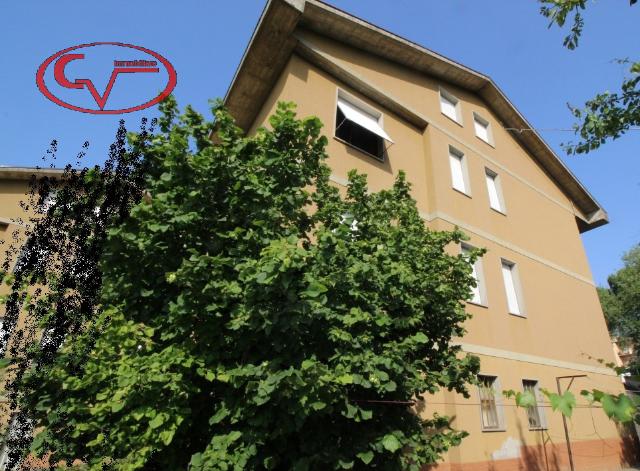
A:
(510, 288)
(448, 107)
(362, 118)
(492, 189)
(457, 172)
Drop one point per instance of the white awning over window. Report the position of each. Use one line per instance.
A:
(362, 118)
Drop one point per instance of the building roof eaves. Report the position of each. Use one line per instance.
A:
(262, 64)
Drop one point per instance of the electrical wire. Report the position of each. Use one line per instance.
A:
(521, 130)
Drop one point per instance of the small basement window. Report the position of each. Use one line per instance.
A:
(360, 126)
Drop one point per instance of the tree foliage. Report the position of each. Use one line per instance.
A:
(607, 115)
(54, 285)
(621, 301)
(252, 317)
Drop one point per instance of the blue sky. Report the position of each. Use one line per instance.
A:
(505, 39)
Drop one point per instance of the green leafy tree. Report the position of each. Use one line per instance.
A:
(607, 115)
(621, 302)
(54, 285)
(253, 318)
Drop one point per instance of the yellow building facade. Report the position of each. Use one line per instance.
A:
(388, 105)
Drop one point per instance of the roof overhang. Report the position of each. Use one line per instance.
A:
(274, 41)
(25, 173)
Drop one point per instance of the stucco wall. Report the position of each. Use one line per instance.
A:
(563, 331)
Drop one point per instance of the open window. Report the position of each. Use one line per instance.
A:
(360, 126)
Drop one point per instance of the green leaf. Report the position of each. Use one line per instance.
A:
(157, 421)
(96, 441)
(345, 379)
(565, 403)
(420, 338)
(315, 289)
(219, 416)
(618, 408)
(166, 436)
(391, 443)
(366, 456)
(525, 399)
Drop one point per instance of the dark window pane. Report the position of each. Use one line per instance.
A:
(358, 136)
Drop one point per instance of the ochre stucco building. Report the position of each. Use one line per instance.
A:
(388, 104)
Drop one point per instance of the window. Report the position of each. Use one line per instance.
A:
(359, 125)
(3, 345)
(483, 130)
(348, 218)
(459, 175)
(450, 106)
(49, 201)
(21, 259)
(478, 293)
(4, 450)
(512, 288)
(535, 413)
(490, 403)
(31, 255)
(495, 191)
(14, 432)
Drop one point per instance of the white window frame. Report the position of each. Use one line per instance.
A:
(484, 123)
(497, 205)
(538, 407)
(49, 201)
(3, 346)
(513, 293)
(479, 293)
(445, 96)
(344, 219)
(497, 397)
(456, 155)
(373, 115)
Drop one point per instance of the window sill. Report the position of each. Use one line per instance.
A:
(498, 211)
(486, 142)
(538, 429)
(459, 123)
(461, 192)
(522, 316)
(342, 141)
(491, 430)
(486, 306)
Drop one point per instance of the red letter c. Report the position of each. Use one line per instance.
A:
(58, 70)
